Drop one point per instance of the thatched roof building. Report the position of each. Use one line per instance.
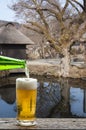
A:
(13, 42)
(10, 34)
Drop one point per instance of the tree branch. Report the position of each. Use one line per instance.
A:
(73, 5)
(47, 35)
(34, 29)
(40, 12)
(78, 3)
(54, 4)
(65, 7)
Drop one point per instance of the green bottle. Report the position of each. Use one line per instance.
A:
(7, 63)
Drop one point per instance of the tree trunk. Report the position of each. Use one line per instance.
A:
(65, 64)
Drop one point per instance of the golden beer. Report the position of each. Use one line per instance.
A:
(26, 93)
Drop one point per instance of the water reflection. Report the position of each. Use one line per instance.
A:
(77, 97)
(7, 101)
(56, 98)
(48, 97)
(7, 110)
(7, 93)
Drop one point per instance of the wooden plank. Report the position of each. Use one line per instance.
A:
(46, 123)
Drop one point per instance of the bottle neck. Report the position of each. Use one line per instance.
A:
(11, 63)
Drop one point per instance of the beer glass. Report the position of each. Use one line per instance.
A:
(26, 93)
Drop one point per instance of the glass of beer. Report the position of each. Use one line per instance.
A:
(26, 93)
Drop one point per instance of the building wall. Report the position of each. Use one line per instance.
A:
(13, 50)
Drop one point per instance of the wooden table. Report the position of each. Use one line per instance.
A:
(46, 123)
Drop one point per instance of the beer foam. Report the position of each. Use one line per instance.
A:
(26, 83)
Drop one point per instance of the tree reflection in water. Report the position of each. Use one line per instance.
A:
(55, 98)
(48, 97)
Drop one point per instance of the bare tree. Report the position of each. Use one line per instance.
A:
(39, 13)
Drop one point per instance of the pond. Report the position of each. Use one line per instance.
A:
(57, 98)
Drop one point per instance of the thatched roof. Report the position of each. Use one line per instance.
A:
(9, 34)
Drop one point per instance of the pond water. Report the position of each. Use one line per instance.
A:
(57, 98)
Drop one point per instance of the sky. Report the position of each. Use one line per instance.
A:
(6, 13)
